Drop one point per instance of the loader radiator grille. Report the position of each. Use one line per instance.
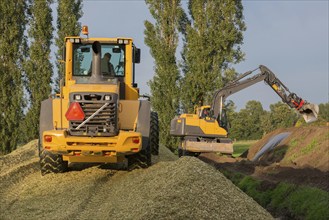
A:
(100, 116)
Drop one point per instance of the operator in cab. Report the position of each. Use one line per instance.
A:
(107, 68)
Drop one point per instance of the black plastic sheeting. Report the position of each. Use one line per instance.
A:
(270, 145)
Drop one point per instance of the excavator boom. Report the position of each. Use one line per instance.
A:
(307, 110)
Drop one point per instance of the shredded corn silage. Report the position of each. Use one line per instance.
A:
(175, 189)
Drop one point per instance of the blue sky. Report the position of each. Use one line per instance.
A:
(289, 37)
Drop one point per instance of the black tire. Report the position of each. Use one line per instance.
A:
(154, 134)
(142, 159)
(182, 152)
(39, 146)
(52, 163)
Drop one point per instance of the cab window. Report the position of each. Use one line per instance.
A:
(82, 59)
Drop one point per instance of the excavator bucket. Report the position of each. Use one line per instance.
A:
(309, 112)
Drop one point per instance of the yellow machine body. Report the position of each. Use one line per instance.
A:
(55, 129)
(200, 133)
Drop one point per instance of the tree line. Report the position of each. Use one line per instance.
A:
(253, 122)
(212, 35)
(26, 70)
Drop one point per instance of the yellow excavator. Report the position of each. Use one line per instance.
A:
(207, 129)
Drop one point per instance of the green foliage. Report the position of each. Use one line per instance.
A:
(246, 124)
(324, 111)
(251, 187)
(162, 38)
(310, 147)
(253, 122)
(235, 177)
(37, 66)
(304, 150)
(212, 42)
(294, 142)
(12, 50)
(301, 202)
(282, 116)
(69, 12)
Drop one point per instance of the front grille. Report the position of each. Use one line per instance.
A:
(104, 123)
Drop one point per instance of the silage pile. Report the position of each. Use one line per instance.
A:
(181, 189)
(18, 164)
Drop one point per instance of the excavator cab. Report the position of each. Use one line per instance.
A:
(202, 111)
(223, 121)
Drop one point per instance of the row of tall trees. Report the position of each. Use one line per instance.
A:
(13, 21)
(26, 71)
(212, 35)
(162, 38)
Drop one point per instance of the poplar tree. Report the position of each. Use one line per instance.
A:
(162, 39)
(212, 42)
(69, 12)
(12, 41)
(38, 66)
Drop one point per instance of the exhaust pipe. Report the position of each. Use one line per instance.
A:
(309, 112)
(96, 63)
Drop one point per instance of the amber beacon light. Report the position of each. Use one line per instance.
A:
(85, 30)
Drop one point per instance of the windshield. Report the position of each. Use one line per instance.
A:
(112, 62)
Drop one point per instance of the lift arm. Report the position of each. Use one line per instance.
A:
(307, 110)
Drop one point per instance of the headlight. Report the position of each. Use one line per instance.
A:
(77, 97)
(107, 97)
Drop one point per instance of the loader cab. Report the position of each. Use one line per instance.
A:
(83, 57)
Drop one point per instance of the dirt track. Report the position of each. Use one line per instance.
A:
(170, 189)
(301, 159)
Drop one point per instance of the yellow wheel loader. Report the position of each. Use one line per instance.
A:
(98, 117)
(207, 129)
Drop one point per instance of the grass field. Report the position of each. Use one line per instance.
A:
(241, 146)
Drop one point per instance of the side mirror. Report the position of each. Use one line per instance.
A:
(137, 55)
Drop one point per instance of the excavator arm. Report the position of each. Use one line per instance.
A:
(307, 110)
(208, 132)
